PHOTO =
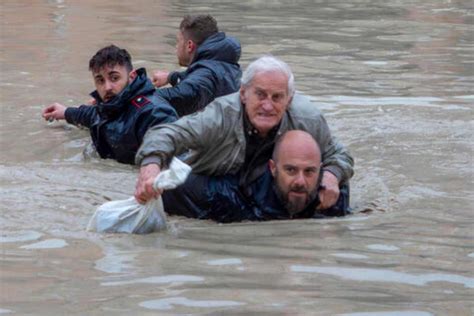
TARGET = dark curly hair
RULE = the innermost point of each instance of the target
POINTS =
(110, 56)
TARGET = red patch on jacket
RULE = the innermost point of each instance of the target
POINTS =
(140, 101)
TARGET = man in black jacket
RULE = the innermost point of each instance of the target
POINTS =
(125, 106)
(212, 60)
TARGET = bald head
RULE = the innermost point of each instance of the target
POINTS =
(299, 143)
(295, 167)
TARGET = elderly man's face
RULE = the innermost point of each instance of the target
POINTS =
(296, 174)
(266, 100)
(110, 81)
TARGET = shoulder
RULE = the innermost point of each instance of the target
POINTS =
(223, 110)
(302, 106)
(228, 103)
(151, 102)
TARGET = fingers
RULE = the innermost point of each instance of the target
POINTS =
(327, 198)
(144, 189)
(53, 111)
(145, 192)
(49, 114)
(159, 78)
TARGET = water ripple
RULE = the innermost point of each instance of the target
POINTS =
(384, 275)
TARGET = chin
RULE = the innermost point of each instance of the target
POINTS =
(264, 126)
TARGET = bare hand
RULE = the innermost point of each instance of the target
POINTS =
(160, 78)
(329, 193)
(54, 111)
(144, 189)
(92, 101)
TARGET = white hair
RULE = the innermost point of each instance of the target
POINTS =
(268, 63)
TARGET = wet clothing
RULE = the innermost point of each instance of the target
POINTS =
(220, 199)
(216, 137)
(117, 127)
(214, 72)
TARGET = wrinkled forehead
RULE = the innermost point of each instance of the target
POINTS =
(274, 79)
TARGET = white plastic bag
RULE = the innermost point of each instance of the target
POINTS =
(129, 216)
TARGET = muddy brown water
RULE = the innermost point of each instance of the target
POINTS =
(395, 81)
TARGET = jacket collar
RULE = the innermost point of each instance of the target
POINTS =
(219, 47)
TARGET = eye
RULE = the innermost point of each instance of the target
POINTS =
(260, 94)
(277, 97)
(310, 172)
(115, 78)
(290, 170)
(99, 81)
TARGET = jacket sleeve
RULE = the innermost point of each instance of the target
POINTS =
(175, 77)
(152, 116)
(196, 131)
(335, 157)
(192, 93)
(83, 115)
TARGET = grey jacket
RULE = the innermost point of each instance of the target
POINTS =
(217, 141)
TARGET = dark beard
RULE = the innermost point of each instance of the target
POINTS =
(291, 207)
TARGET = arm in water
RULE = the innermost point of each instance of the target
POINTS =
(83, 115)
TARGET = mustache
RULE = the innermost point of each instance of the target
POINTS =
(109, 96)
(298, 189)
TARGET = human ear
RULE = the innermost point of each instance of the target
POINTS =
(132, 75)
(191, 46)
(242, 95)
(272, 166)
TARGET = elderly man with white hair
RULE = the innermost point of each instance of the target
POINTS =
(235, 134)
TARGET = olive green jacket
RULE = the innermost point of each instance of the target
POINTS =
(216, 140)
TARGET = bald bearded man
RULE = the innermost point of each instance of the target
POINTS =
(288, 189)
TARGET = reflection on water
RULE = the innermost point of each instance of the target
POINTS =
(220, 262)
(395, 81)
(47, 244)
(396, 313)
(383, 247)
(167, 303)
(158, 280)
(381, 275)
(20, 236)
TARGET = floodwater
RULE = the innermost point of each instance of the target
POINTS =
(395, 80)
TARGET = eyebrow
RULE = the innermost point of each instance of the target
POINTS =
(312, 168)
(113, 72)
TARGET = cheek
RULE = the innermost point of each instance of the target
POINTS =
(280, 108)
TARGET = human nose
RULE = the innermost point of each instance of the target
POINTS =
(267, 104)
(299, 179)
(108, 85)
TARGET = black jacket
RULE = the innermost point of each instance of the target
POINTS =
(117, 127)
(222, 199)
(259, 201)
(214, 72)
